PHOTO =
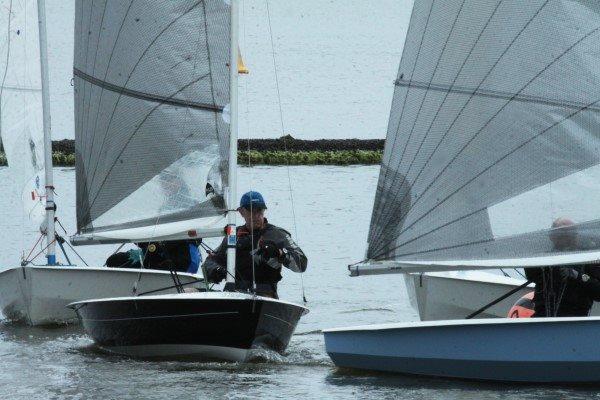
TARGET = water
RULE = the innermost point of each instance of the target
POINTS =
(332, 206)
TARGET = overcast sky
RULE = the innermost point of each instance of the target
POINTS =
(336, 62)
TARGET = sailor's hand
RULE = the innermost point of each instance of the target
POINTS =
(569, 274)
(268, 249)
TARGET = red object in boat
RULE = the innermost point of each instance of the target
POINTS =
(523, 308)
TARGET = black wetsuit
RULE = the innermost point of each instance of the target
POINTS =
(267, 272)
(556, 296)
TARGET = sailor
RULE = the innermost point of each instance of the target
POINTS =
(179, 255)
(567, 291)
(261, 250)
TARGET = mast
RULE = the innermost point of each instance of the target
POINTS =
(232, 189)
(50, 206)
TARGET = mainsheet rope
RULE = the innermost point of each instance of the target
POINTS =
(291, 190)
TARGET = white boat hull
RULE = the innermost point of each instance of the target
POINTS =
(454, 295)
(38, 295)
(557, 350)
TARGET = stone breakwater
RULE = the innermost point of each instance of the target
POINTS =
(283, 151)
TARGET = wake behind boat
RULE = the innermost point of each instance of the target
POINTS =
(220, 325)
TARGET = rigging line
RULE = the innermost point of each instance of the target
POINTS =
(488, 168)
(440, 106)
(142, 257)
(76, 253)
(33, 247)
(412, 130)
(393, 208)
(403, 108)
(112, 52)
(284, 141)
(465, 105)
(127, 143)
(94, 62)
(40, 252)
(133, 69)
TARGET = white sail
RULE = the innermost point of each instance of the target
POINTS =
(21, 120)
(152, 146)
(494, 134)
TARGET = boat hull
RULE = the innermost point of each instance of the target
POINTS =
(454, 295)
(38, 295)
(559, 350)
(216, 325)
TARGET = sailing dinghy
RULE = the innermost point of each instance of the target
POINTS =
(175, 100)
(38, 294)
(493, 136)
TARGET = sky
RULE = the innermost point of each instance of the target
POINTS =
(335, 61)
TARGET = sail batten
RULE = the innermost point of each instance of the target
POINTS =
(494, 100)
(123, 91)
(496, 94)
(151, 85)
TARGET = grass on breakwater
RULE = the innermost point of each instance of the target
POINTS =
(283, 151)
(278, 157)
(343, 157)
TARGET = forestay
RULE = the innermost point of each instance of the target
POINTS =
(494, 133)
(151, 82)
(21, 122)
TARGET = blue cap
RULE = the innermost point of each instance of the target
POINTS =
(252, 200)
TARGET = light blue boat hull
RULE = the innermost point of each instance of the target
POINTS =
(561, 350)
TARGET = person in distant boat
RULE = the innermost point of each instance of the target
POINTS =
(568, 291)
(180, 256)
(261, 250)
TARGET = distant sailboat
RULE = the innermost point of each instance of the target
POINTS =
(493, 134)
(169, 104)
(38, 295)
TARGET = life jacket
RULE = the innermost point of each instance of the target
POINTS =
(246, 242)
